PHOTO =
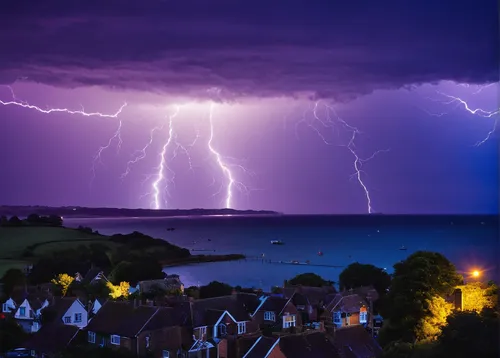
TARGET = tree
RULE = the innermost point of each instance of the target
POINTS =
(475, 297)
(134, 272)
(358, 275)
(192, 291)
(15, 221)
(470, 334)
(11, 334)
(11, 279)
(63, 281)
(118, 291)
(431, 325)
(215, 289)
(309, 279)
(416, 281)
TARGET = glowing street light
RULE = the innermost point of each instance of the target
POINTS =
(476, 273)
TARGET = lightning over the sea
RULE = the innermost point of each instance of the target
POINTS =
(97, 157)
(460, 102)
(163, 165)
(328, 118)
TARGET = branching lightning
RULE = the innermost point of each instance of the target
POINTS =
(97, 157)
(331, 120)
(459, 102)
(16, 102)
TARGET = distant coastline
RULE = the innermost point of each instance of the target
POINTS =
(83, 212)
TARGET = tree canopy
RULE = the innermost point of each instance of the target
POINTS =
(11, 279)
(358, 275)
(416, 282)
(309, 279)
(215, 289)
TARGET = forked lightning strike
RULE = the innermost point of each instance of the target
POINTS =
(163, 165)
(477, 111)
(16, 102)
(332, 124)
(97, 157)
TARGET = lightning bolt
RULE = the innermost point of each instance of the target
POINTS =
(160, 176)
(331, 120)
(16, 102)
(459, 102)
(140, 154)
(97, 157)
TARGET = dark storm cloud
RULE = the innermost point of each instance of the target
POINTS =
(264, 48)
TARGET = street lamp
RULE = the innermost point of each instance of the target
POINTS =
(476, 273)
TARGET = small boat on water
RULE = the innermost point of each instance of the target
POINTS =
(403, 248)
(320, 253)
(170, 228)
(277, 242)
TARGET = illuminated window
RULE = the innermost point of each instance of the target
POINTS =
(22, 311)
(289, 321)
(363, 317)
(337, 317)
(115, 340)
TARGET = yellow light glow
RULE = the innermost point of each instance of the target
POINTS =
(475, 273)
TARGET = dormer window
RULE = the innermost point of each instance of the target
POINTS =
(337, 318)
(289, 321)
(22, 311)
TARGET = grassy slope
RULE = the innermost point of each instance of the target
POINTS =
(13, 240)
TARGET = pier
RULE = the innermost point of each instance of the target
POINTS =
(297, 263)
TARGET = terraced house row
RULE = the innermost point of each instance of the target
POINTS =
(299, 322)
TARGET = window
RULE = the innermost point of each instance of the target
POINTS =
(148, 341)
(337, 318)
(165, 354)
(288, 321)
(67, 319)
(22, 311)
(115, 340)
(363, 317)
(201, 332)
(242, 327)
(269, 316)
(222, 329)
(5, 308)
(91, 337)
(78, 317)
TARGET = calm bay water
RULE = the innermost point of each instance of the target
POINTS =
(467, 246)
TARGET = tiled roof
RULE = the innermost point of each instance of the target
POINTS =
(121, 318)
(355, 341)
(261, 347)
(349, 303)
(60, 306)
(51, 338)
(274, 304)
(204, 310)
(312, 345)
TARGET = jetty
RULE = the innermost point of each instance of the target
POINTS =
(297, 263)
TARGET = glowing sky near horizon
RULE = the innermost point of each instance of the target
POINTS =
(247, 135)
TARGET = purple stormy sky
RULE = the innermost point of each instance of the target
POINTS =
(287, 87)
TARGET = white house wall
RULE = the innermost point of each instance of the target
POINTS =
(76, 307)
(27, 314)
(11, 305)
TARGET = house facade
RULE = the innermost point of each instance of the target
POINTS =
(279, 314)
(347, 310)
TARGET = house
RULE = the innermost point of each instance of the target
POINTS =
(167, 284)
(278, 313)
(308, 300)
(9, 306)
(95, 306)
(305, 345)
(28, 307)
(142, 330)
(218, 322)
(346, 310)
(51, 339)
(93, 276)
(68, 311)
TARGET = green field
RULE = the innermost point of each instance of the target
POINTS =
(14, 241)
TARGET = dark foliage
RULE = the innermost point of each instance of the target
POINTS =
(215, 289)
(136, 271)
(309, 279)
(11, 334)
(358, 275)
(11, 279)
